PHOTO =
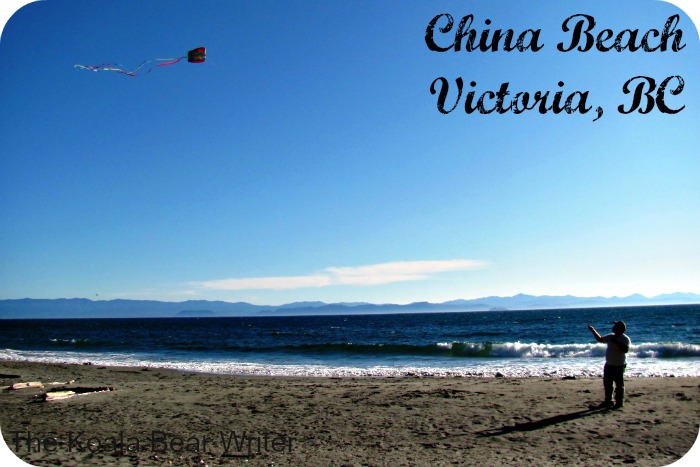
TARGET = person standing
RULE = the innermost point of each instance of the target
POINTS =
(615, 362)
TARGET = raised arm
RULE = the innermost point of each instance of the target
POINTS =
(595, 334)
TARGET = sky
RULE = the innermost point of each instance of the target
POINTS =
(306, 159)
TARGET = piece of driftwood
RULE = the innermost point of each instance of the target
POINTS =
(28, 385)
(58, 383)
(36, 384)
(65, 393)
(56, 395)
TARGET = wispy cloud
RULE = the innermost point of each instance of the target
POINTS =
(276, 283)
(373, 274)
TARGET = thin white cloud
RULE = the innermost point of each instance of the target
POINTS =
(374, 274)
(275, 283)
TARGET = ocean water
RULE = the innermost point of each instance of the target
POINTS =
(665, 342)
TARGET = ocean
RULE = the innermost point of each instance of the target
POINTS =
(544, 343)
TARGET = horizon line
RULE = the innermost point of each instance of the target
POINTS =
(358, 303)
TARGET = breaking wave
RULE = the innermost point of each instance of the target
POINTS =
(440, 349)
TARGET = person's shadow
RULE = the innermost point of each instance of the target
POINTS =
(545, 422)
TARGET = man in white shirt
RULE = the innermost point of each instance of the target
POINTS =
(615, 362)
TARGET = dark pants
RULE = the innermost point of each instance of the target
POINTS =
(614, 374)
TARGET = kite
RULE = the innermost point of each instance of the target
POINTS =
(197, 55)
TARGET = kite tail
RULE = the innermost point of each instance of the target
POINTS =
(135, 72)
(172, 61)
(106, 67)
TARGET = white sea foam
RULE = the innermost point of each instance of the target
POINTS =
(588, 350)
(539, 364)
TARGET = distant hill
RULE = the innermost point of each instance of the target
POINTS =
(85, 308)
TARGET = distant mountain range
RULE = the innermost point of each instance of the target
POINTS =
(85, 308)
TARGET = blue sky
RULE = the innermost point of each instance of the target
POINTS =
(307, 160)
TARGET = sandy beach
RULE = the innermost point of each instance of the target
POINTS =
(165, 417)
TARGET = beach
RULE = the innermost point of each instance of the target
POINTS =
(165, 417)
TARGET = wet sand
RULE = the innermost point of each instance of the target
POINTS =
(164, 417)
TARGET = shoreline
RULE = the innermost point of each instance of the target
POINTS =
(532, 367)
(170, 417)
